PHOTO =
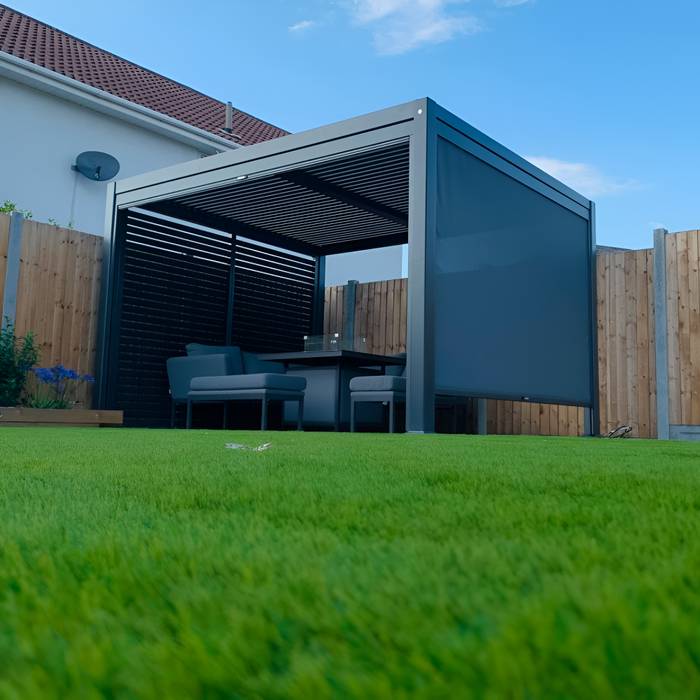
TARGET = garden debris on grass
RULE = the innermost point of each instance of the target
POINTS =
(619, 432)
(260, 448)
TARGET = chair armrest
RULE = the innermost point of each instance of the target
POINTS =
(181, 371)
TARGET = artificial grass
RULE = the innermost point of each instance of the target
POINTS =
(158, 564)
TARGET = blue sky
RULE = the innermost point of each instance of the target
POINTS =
(604, 94)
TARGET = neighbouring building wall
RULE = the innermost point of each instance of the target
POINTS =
(40, 137)
(365, 266)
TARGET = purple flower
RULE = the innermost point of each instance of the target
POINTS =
(59, 376)
(44, 375)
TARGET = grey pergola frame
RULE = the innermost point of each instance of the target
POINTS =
(421, 122)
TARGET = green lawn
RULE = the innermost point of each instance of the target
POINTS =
(158, 564)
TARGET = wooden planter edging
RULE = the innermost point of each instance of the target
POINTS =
(56, 417)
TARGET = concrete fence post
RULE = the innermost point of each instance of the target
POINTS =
(661, 334)
(350, 295)
(481, 416)
(14, 245)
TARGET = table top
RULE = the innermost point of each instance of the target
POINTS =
(318, 358)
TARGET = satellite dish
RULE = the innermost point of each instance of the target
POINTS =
(96, 166)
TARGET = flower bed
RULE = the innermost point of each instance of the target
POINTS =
(63, 417)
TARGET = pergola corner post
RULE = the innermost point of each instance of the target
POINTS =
(105, 337)
(420, 340)
(592, 415)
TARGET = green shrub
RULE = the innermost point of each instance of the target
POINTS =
(8, 207)
(17, 355)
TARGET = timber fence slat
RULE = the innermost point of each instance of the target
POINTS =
(651, 326)
(603, 268)
(642, 345)
(684, 328)
(631, 338)
(674, 379)
(694, 306)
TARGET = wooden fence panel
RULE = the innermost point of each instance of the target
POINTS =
(683, 326)
(694, 306)
(626, 361)
(58, 294)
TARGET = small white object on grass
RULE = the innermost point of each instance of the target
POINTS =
(236, 446)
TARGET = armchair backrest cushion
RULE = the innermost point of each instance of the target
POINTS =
(252, 365)
(181, 371)
(397, 370)
(197, 349)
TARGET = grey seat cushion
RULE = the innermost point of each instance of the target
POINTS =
(196, 349)
(236, 382)
(252, 365)
(382, 383)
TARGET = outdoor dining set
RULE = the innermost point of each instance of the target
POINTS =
(333, 387)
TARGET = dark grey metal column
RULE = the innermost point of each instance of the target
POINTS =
(319, 296)
(661, 335)
(350, 296)
(110, 311)
(106, 289)
(14, 246)
(592, 415)
(422, 188)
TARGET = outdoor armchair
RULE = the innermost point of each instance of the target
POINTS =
(182, 370)
(390, 389)
(221, 374)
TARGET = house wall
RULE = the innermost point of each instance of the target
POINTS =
(366, 266)
(40, 137)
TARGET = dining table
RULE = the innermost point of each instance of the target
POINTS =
(340, 360)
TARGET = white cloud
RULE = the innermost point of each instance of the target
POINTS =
(403, 25)
(306, 24)
(583, 178)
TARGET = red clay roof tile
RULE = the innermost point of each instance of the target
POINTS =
(46, 46)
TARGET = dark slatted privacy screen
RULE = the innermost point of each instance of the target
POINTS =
(273, 300)
(175, 292)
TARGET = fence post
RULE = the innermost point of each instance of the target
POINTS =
(481, 416)
(661, 334)
(350, 293)
(9, 303)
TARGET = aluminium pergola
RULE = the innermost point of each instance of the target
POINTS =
(231, 249)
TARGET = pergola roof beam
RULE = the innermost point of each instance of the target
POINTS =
(315, 184)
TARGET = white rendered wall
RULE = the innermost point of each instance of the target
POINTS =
(40, 137)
